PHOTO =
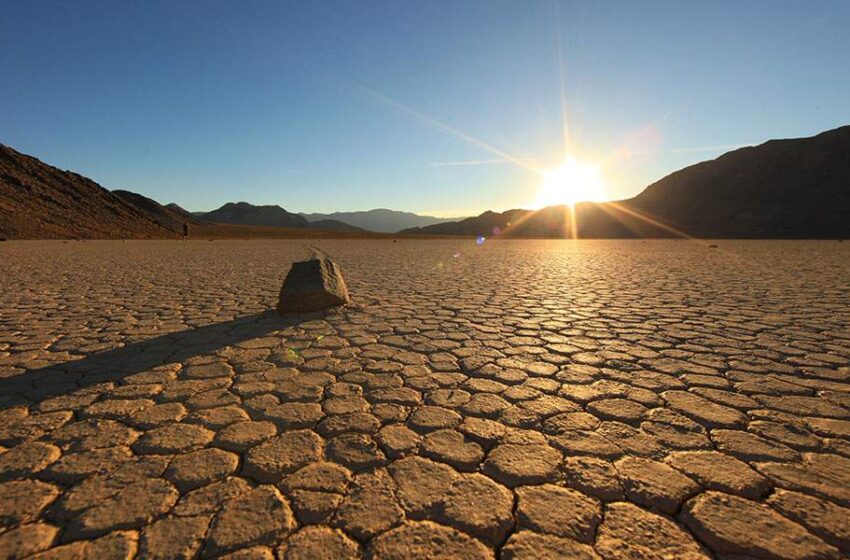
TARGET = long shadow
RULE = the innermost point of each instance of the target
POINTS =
(40, 384)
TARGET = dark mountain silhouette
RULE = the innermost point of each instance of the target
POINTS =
(798, 188)
(249, 214)
(380, 219)
(40, 201)
(244, 213)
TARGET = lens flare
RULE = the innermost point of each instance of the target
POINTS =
(570, 183)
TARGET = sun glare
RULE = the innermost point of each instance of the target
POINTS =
(570, 183)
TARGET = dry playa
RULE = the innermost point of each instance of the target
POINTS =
(514, 399)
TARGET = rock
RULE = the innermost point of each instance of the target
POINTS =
(312, 285)
(559, 511)
(424, 539)
(733, 525)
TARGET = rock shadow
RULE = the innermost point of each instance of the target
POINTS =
(37, 385)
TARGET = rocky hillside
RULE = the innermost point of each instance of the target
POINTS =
(38, 200)
(797, 188)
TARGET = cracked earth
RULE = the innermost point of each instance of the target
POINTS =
(518, 399)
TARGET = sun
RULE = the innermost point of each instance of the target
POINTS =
(570, 183)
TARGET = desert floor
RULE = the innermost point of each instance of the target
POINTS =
(517, 399)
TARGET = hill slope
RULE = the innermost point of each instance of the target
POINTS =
(797, 188)
(40, 201)
(380, 219)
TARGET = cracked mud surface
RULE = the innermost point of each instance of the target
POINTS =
(520, 399)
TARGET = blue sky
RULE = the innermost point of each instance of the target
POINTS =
(321, 106)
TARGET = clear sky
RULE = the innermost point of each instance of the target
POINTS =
(321, 106)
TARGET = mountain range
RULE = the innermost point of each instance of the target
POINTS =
(795, 188)
(380, 219)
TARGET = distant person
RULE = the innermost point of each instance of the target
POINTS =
(185, 231)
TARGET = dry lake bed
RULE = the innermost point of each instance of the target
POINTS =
(513, 399)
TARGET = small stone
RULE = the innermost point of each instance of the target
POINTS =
(424, 539)
(559, 511)
(733, 525)
(525, 545)
(628, 532)
(260, 516)
(478, 506)
(655, 485)
(281, 455)
(515, 465)
(199, 468)
(312, 286)
(319, 543)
